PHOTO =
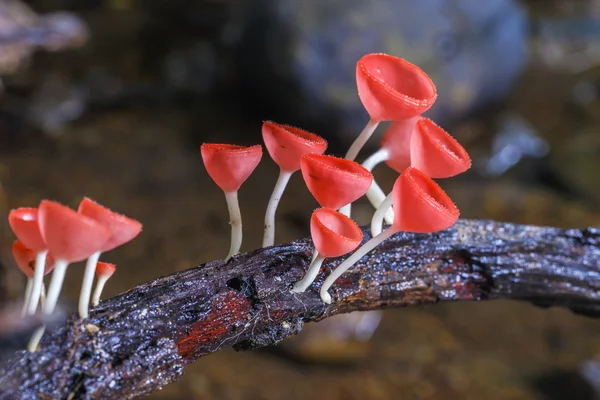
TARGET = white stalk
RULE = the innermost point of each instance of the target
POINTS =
(58, 277)
(88, 282)
(235, 220)
(38, 281)
(43, 296)
(282, 181)
(311, 274)
(375, 194)
(360, 141)
(377, 221)
(100, 282)
(27, 295)
(350, 261)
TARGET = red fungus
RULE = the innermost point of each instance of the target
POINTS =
(123, 229)
(71, 237)
(434, 152)
(286, 145)
(334, 182)
(103, 273)
(229, 166)
(24, 223)
(420, 206)
(333, 235)
(25, 260)
(390, 89)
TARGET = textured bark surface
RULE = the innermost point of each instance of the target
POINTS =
(139, 341)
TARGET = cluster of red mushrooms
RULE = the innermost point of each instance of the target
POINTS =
(391, 89)
(52, 236)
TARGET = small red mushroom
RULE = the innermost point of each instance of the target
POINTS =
(25, 260)
(286, 145)
(391, 89)
(420, 206)
(123, 229)
(24, 223)
(334, 182)
(229, 166)
(103, 273)
(333, 235)
(71, 237)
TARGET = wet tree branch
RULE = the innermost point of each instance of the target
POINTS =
(139, 341)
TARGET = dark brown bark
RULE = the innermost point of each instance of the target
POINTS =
(139, 341)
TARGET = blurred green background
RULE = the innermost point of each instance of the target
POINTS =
(120, 119)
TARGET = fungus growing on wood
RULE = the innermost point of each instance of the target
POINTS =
(24, 223)
(229, 166)
(71, 237)
(103, 273)
(25, 260)
(333, 235)
(420, 205)
(123, 229)
(286, 145)
(334, 182)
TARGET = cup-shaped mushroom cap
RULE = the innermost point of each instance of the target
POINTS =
(25, 259)
(70, 236)
(230, 165)
(333, 233)
(420, 204)
(436, 153)
(287, 144)
(24, 223)
(334, 182)
(124, 229)
(104, 269)
(396, 140)
(393, 89)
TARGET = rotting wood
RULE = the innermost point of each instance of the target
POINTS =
(138, 342)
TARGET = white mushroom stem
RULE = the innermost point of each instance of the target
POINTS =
(38, 281)
(360, 141)
(350, 261)
(235, 220)
(88, 282)
(27, 295)
(58, 277)
(377, 221)
(311, 274)
(282, 181)
(100, 282)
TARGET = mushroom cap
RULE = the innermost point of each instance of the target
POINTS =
(25, 259)
(420, 204)
(396, 140)
(333, 233)
(230, 165)
(435, 152)
(334, 182)
(105, 269)
(287, 144)
(392, 89)
(70, 236)
(24, 223)
(124, 229)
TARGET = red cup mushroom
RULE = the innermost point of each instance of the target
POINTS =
(334, 182)
(103, 273)
(71, 237)
(229, 166)
(25, 260)
(420, 205)
(286, 145)
(24, 223)
(333, 235)
(390, 89)
(123, 229)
